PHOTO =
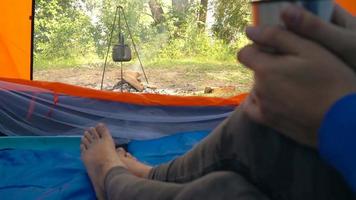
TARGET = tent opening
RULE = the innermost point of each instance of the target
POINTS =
(182, 49)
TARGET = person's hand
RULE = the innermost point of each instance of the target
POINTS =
(296, 87)
(339, 37)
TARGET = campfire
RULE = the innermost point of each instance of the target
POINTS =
(131, 82)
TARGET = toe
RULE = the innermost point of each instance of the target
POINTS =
(82, 148)
(93, 133)
(130, 156)
(88, 136)
(102, 130)
(85, 142)
(121, 152)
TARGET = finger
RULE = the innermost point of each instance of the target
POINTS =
(336, 39)
(254, 58)
(281, 40)
(344, 19)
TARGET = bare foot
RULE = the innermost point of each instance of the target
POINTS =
(99, 156)
(133, 165)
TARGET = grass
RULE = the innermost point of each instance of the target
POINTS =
(168, 73)
(84, 61)
(194, 63)
(227, 71)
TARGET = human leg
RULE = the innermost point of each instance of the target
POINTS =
(280, 167)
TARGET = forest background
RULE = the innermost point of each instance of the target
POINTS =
(196, 39)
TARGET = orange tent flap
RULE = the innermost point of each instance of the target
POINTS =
(140, 99)
(349, 5)
(15, 38)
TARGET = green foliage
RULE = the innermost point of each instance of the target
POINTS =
(134, 11)
(63, 30)
(231, 19)
(184, 39)
(76, 32)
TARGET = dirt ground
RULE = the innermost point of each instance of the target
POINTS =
(173, 81)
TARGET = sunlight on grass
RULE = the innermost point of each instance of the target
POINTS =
(200, 63)
(80, 62)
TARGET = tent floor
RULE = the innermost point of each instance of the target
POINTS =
(66, 143)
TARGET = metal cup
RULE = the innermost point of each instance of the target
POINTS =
(267, 12)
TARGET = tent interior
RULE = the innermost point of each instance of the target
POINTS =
(43, 121)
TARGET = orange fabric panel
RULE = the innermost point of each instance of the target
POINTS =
(349, 5)
(15, 38)
(140, 99)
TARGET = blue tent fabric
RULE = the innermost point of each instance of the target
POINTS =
(60, 174)
(24, 113)
(34, 174)
(153, 133)
(157, 151)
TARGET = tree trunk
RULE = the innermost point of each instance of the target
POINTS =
(180, 6)
(157, 11)
(203, 13)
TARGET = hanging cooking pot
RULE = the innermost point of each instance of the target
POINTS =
(121, 51)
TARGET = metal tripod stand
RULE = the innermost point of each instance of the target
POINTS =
(121, 13)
